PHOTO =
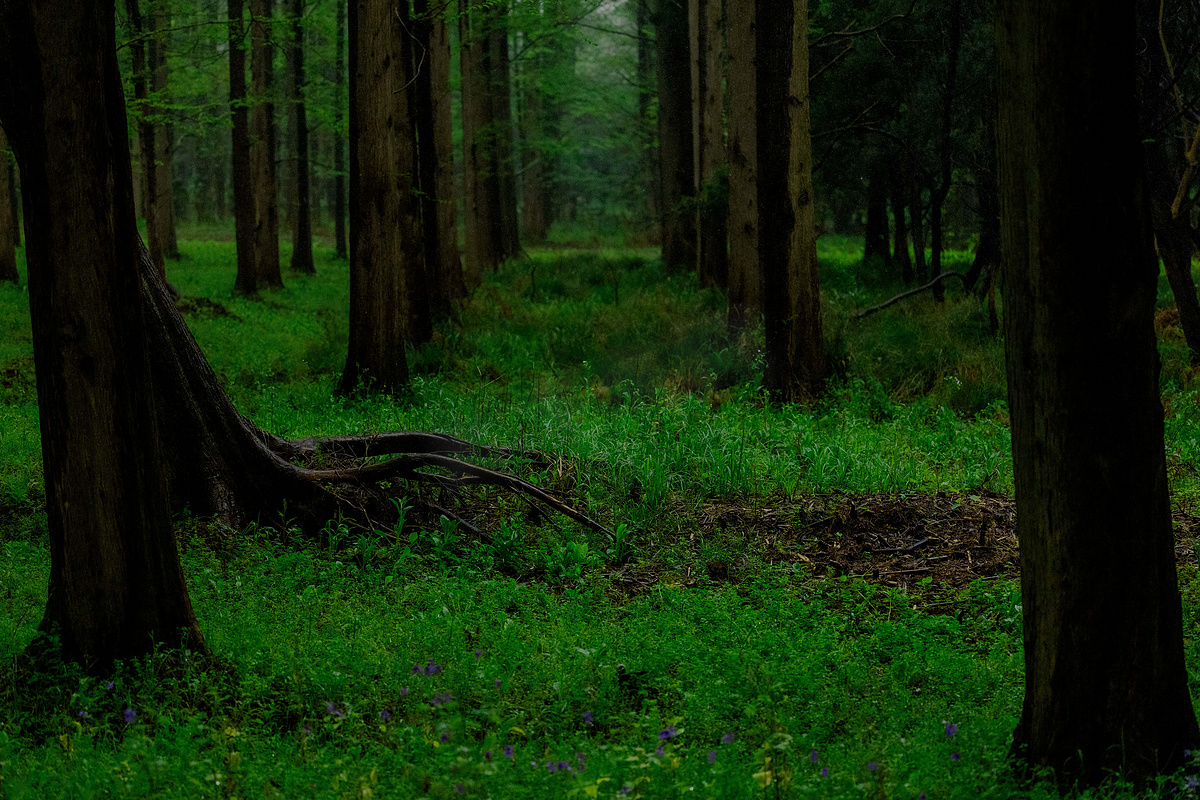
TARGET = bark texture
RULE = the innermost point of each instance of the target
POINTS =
(745, 279)
(795, 345)
(246, 282)
(1105, 680)
(481, 184)
(711, 162)
(302, 256)
(147, 135)
(339, 141)
(675, 147)
(263, 147)
(8, 223)
(116, 587)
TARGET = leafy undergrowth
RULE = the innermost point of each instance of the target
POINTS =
(801, 602)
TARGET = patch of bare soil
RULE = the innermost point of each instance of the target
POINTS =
(894, 540)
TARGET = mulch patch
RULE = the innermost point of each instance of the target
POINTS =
(895, 540)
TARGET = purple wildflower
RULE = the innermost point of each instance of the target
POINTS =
(334, 711)
(660, 752)
(445, 737)
(951, 729)
(497, 683)
(668, 733)
(814, 756)
(432, 668)
(563, 766)
(478, 653)
(416, 670)
(1193, 782)
(712, 756)
(109, 686)
(487, 755)
(385, 715)
(551, 767)
(921, 796)
(728, 738)
(442, 699)
(955, 756)
(871, 765)
(533, 764)
(404, 691)
(825, 772)
(84, 715)
(130, 716)
(508, 751)
(307, 729)
(587, 718)
(624, 790)
(582, 760)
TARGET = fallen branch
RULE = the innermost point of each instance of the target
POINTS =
(868, 311)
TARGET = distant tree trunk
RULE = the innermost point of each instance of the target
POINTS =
(339, 143)
(1106, 686)
(795, 343)
(535, 222)
(900, 254)
(916, 218)
(302, 256)
(481, 188)
(433, 118)
(745, 278)
(375, 360)
(500, 91)
(246, 282)
(116, 587)
(647, 90)
(875, 242)
(262, 147)
(712, 163)
(164, 144)
(8, 225)
(938, 194)
(675, 137)
(146, 135)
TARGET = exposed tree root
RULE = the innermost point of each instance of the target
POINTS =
(221, 464)
(866, 312)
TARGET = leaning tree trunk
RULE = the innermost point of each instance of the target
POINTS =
(8, 224)
(1106, 686)
(795, 345)
(745, 279)
(246, 282)
(116, 587)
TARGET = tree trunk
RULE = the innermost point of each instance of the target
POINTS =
(938, 194)
(481, 188)
(916, 217)
(375, 360)
(433, 119)
(146, 134)
(164, 143)
(875, 242)
(8, 225)
(14, 190)
(745, 279)
(987, 251)
(500, 91)
(675, 137)
(713, 189)
(795, 345)
(116, 586)
(535, 223)
(900, 253)
(1106, 687)
(262, 147)
(647, 91)
(414, 292)
(246, 282)
(339, 143)
(302, 256)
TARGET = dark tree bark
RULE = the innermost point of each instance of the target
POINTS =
(116, 586)
(500, 92)
(795, 344)
(263, 147)
(146, 133)
(939, 193)
(1106, 687)
(713, 176)
(535, 199)
(8, 224)
(675, 147)
(164, 143)
(439, 215)
(339, 143)
(302, 256)
(14, 193)
(376, 361)
(916, 218)
(647, 91)
(481, 186)
(414, 291)
(875, 241)
(897, 194)
(246, 282)
(745, 279)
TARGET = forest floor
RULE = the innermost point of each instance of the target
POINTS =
(816, 601)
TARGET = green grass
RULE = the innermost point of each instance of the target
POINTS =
(629, 375)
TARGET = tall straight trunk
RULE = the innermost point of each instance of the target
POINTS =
(433, 118)
(938, 194)
(8, 224)
(302, 256)
(713, 183)
(500, 90)
(246, 282)
(146, 135)
(164, 143)
(116, 588)
(916, 217)
(262, 147)
(896, 193)
(481, 188)
(745, 277)
(339, 143)
(647, 90)
(675, 136)
(535, 222)
(875, 241)
(375, 360)
(1106, 686)
(795, 345)
(414, 290)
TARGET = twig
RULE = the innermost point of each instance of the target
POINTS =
(868, 311)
